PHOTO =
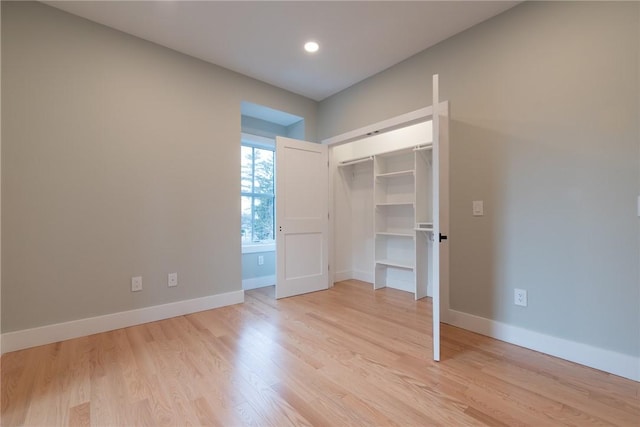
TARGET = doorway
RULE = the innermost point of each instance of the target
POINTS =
(260, 125)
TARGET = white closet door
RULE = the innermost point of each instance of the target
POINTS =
(438, 236)
(302, 224)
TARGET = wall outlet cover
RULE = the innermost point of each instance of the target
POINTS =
(136, 284)
(520, 297)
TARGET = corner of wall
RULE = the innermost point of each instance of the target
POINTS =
(297, 130)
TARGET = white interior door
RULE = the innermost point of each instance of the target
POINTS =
(302, 217)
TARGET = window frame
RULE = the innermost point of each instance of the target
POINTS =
(264, 143)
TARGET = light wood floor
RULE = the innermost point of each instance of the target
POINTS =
(347, 356)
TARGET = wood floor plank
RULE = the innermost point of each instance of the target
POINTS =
(80, 415)
(346, 356)
(17, 384)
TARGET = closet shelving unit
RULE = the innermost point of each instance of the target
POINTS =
(401, 187)
(401, 181)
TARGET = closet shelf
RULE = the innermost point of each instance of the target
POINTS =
(406, 233)
(395, 204)
(396, 152)
(392, 263)
(396, 174)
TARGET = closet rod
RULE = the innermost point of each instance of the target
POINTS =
(354, 161)
(423, 147)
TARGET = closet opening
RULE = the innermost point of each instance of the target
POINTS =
(383, 206)
(390, 206)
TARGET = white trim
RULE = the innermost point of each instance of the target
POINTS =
(18, 340)
(403, 285)
(258, 282)
(605, 360)
(339, 276)
(402, 120)
(365, 276)
(257, 141)
(255, 248)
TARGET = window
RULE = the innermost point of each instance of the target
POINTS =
(257, 190)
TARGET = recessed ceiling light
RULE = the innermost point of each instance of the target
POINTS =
(311, 47)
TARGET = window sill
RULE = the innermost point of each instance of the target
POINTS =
(261, 247)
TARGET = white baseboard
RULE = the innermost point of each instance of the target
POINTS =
(365, 276)
(368, 277)
(353, 274)
(402, 285)
(339, 276)
(258, 282)
(605, 360)
(18, 340)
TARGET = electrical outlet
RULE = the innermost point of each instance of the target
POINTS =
(520, 297)
(136, 284)
(172, 280)
(260, 259)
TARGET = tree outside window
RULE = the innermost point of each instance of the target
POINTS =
(258, 194)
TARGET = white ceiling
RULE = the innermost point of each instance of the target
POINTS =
(264, 39)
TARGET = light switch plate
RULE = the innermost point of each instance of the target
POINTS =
(478, 208)
(172, 280)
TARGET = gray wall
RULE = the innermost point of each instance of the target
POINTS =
(296, 130)
(544, 106)
(120, 158)
(251, 269)
(262, 127)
